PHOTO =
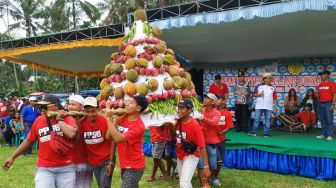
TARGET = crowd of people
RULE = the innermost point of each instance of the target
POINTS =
(73, 150)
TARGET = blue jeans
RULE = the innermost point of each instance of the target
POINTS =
(221, 153)
(212, 157)
(27, 126)
(99, 173)
(326, 118)
(257, 120)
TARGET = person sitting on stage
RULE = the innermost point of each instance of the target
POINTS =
(127, 131)
(292, 101)
(310, 98)
(219, 88)
(307, 116)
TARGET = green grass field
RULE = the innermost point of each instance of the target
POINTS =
(21, 175)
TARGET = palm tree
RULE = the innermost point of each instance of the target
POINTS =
(25, 13)
(55, 17)
(76, 9)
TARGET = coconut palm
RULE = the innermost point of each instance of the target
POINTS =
(77, 8)
(25, 14)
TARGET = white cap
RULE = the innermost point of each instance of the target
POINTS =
(90, 101)
(76, 98)
(267, 75)
(32, 98)
(211, 96)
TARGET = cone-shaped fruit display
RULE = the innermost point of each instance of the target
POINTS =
(145, 65)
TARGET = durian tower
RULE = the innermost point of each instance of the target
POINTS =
(144, 65)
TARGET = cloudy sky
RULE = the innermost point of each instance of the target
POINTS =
(21, 33)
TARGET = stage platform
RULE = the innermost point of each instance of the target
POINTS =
(283, 142)
(284, 153)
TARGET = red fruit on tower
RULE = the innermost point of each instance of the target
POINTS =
(121, 103)
(137, 69)
(155, 72)
(154, 97)
(123, 75)
(171, 93)
(149, 99)
(148, 72)
(117, 78)
(193, 93)
(165, 95)
(142, 71)
(102, 104)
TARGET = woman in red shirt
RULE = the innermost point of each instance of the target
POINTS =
(128, 131)
(53, 169)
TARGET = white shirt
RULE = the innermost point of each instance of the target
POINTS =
(265, 102)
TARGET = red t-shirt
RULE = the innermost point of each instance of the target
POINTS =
(98, 148)
(3, 111)
(191, 132)
(305, 118)
(158, 134)
(79, 154)
(224, 123)
(209, 125)
(131, 154)
(40, 131)
(221, 89)
(326, 91)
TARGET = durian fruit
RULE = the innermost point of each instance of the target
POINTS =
(157, 32)
(178, 64)
(130, 88)
(142, 62)
(185, 83)
(114, 55)
(160, 47)
(107, 70)
(191, 85)
(142, 89)
(177, 82)
(170, 51)
(157, 61)
(132, 75)
(116, 68)
(130, 51)
(174, 71)
(130, 63)
(98, 97)
(103, 83)
(187, 75)
(153, 84)
(118, 93)
(168, 59)
(108, 90)
(177, 98)
(168, 84)
(140, 14)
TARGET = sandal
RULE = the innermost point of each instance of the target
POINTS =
(151, 179)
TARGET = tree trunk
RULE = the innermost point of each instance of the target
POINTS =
(16, 79)
(74, 13)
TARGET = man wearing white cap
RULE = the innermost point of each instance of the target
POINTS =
(28, 115)
(79, 156)
(265, 95)
(100, 150)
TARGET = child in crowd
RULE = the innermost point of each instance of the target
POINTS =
(307, 116)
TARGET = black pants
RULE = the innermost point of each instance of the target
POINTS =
(242, 116)
(8, 135)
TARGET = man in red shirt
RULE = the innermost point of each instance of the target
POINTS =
(53, 169)
(158, 136)
(219, 88)
(326, 93)
(188, 130)
(209, 124)
(127, 131)
(79, 155)
(100, 149)
(225, 123)
(3, 109)
(307, 116)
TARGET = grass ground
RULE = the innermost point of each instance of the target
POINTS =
(21, 175)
